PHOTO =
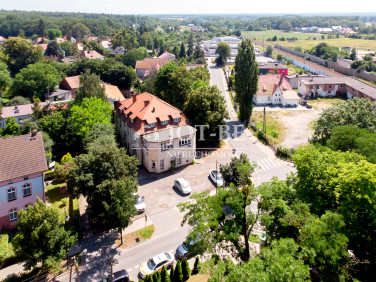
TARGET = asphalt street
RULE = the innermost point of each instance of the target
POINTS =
(268, 165)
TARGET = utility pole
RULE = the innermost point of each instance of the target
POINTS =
(111, 271)
(216, 177)
(264, 123)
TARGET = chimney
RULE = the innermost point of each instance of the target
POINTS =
(153, 110)
(134, 99)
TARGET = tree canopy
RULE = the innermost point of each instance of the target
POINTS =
(41, 236)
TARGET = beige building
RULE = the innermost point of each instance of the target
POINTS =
(348, 87)
(158, 134)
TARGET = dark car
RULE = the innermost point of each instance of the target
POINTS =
(120, 276)
(186, 249)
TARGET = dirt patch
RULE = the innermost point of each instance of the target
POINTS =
(297, 127)
(199, 278)
(136, 237)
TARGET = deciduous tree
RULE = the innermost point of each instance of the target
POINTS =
(41, 236)
(91, 111)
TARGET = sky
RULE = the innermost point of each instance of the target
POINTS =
(147, 7)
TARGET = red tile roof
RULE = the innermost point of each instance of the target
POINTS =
(71, 82)
(21, 156)
(145, 109)
(91, 54)
(269, 82)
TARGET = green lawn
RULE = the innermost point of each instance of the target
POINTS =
(274, 128)
(306, 40)
(265, 34)
(58, 198)
(339, 42)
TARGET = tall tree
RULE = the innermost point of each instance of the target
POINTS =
(223, 51)
(41, 28)
(222, 221)
(35, 80)
(163, 76)
(5, 79)
(246, 79)
(91, 111)
(212, 112)
(107, 176)
(54, 49)
(182, 53)
(53, 33)
(190, 45)
(90, 86)
(20, 53)
(41, 236)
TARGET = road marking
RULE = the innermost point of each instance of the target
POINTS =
(129, 269)
(266, 164)
(137, 266)
(171, 251)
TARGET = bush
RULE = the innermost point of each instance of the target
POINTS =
(185, 269)
(283, 153)
(49, 175)
(178, 273)
(197, 266)
(261, 136)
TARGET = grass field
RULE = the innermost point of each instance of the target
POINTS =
(264, 35)
(274, 128)
(306, 40)
(58, 198)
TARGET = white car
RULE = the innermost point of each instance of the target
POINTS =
(140, 203)
(183, 186)
(216, 177)
(156, 264)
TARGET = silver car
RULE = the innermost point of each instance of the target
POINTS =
(183, 186)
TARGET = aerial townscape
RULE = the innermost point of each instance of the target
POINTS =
(192, 141)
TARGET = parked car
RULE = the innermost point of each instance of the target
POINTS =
(156, 264)
(309, 106)
(120, 276)
(185, 249)
(140, 203)
(183, 186)
(216, 177)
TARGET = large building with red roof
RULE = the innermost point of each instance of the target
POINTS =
(275, 90)
(158, 134)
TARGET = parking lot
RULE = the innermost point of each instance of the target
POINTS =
(158, 188)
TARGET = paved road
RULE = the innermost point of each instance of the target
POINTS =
(98, 250)
(268, 164)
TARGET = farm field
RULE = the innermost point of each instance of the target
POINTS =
(265, 34)
(306, 40)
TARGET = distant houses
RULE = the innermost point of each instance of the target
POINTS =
(120, 50)
(91, 54)
(23, 162)
(149, 65)
(265, 68)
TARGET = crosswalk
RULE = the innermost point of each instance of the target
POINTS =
(266, 164)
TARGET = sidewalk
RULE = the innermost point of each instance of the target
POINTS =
(138, 224)
(10, 270)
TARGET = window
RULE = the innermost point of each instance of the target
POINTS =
(311, 87)
(185, 141)
(179, 159)
(26, 177)
(12, 194)
(166, 146)
(13, 214)
(161, 164)
(330, 86)
(10, 181)
(164, 122)
(26, 189)
(177, 120)
(132, 120)
(151, 125)
(152, 164)
(26, 206)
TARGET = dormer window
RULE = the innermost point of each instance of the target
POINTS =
(164, 122)
(10, 181)
(177, 120)
(151, 125)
